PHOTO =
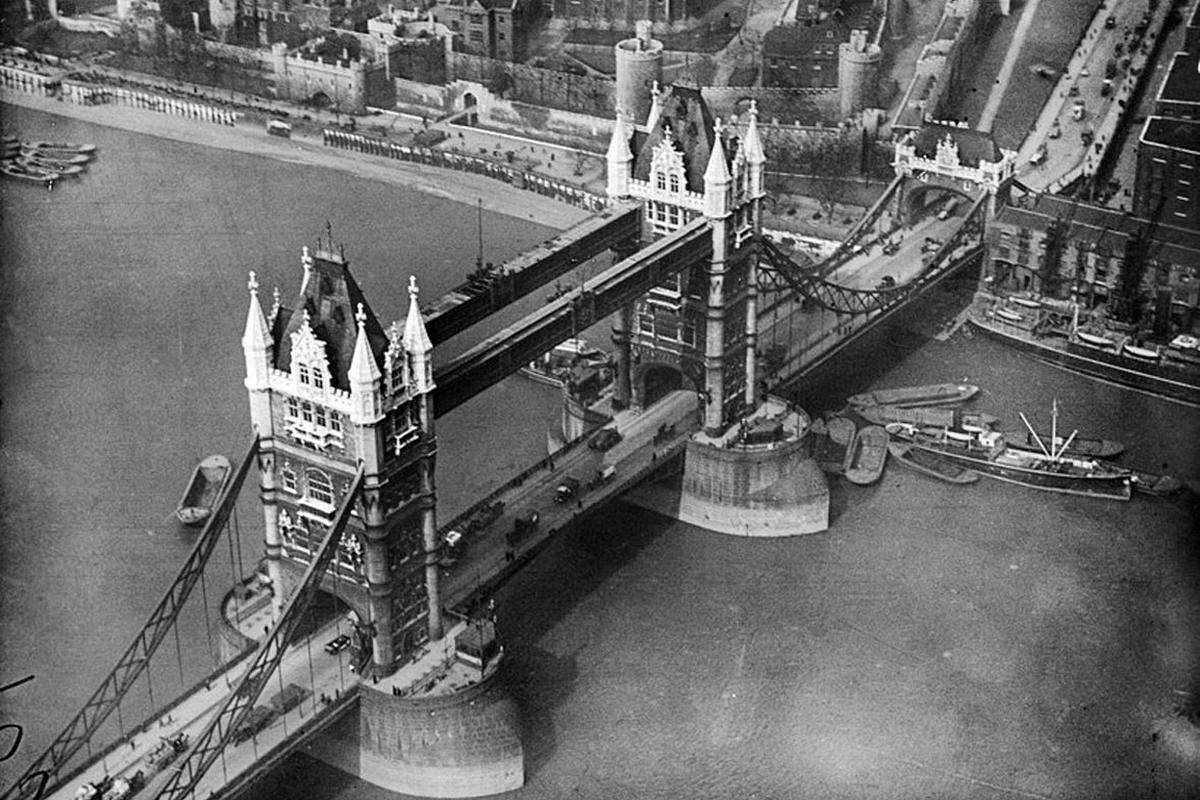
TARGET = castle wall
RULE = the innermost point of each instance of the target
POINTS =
(534, 85)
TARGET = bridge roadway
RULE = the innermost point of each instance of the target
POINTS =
(483, 567)
(812, 334)
(485, 560)
(484, 294)
(193, 711)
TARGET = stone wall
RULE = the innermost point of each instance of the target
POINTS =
(765, 490)
(534, 85)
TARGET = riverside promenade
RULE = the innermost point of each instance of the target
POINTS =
(250, 137)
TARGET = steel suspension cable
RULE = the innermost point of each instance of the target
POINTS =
(237, 532)
(237, 608)
(208, 625)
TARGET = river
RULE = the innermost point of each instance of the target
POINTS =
(978, 642)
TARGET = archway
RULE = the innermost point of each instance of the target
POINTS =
(934, 199)
(469, 101)
(654, 381)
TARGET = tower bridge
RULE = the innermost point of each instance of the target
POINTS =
(346, 447)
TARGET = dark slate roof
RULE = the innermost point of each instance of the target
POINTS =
(973, 146)
(691, 123)
(801, 38)
(331, 298)
(1183, 81)
(1178, 134)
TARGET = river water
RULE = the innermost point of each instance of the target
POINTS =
(982, 641)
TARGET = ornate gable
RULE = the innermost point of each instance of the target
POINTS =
(309, 363)
(666, 165)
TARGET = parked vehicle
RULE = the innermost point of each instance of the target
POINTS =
(606, 439)
(525, 524)
(258, 719)
(566, 489)
(279, 128)
(335, 646)
(291, 696)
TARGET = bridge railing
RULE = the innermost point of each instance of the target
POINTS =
(463, 162)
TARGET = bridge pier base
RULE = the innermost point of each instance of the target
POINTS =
(461, 743)
(757, 480)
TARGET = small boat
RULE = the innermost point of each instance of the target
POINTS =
(866, 457)
(940, 417)
(938, 394)
(841, 430)
(1086, 446)
(13, 170)
(1008, 316)
(56, 155)
(926, 462)
(1026, 302)
(36, 164)
(208, 480)
(63, 146)
(1094, 340)
(1153, 484)
(1141, 352)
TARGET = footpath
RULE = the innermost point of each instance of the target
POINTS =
(247, 136)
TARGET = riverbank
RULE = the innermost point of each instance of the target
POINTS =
(248, 138)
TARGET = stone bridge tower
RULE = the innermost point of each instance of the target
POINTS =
(330, 389)
(698, 329)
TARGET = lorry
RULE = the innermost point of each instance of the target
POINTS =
(258, 718)
(277, 127)
(289, 698)
(525, 523)
(567, 488)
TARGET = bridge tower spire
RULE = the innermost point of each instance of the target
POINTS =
(420, 349)
(259, 351)
(755, 165)
(619, 158)
(717, 181)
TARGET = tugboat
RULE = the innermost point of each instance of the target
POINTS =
(208, 480)
(987, 453)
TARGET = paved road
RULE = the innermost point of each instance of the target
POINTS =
(990, 109)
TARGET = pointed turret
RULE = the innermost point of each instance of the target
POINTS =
(306, 260)
(256, 342)
(366, 406)
(417, 343)
(656, 105)
(717, 178)
(620, 159)
(755, 157)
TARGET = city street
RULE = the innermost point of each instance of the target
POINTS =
(1081, 116)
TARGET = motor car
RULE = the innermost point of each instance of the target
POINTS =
(335, 646)
(1111, 22)
(605, 439)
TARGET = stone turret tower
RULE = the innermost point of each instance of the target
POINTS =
(329, 391)
(700, 324)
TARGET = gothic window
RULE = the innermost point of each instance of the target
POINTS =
(396, 376)
(305, 374)
(293, 408)
(674, 183)
(306, 412)
(288, 478)
(335, 421)
(317, 486)
(660, 180)
(318, 380)
(321, 417)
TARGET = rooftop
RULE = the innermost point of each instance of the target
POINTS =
(329, 298)
(686, 114)
(1177, 134)
(973, 146)
(1183, 80)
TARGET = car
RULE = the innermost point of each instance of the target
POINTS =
(1111, 22)
(1085, 73)
(337, 645)
(887, 282)
(1055, 131)
(605, 439)
(1038, 156)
